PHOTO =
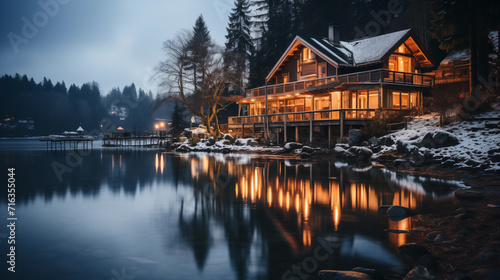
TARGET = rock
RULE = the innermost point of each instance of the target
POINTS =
(362, 154)
(375, 275)
(229, 138)
(486, 274)
(373, 141)
(398, 213)
(438, 139)
(183, 149)
(356, 137)
(399, 162)
(487, 257)
(468, 195)
(460, 276)
(253, 143)
(440, 238)
(210, 141)
(240, 142)
(226, 142)
(413, 250)
(304, 155)
(461, 211)
(431, 236)
(365, 144)
(423, 270)
(307, 149)
(385, 141)
(342, 275)
(290, 146)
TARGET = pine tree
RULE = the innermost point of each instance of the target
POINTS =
(239, 43)
(199, 46)
(460, 24)
(178, 122)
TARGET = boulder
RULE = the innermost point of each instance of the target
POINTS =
(183, 149)
(253, 143)
(342, 275)
(468, 195)
(487, 257)
(290, 146)
(362, 154)
(304, 155)
(424, 270)
(486, 274)
(385, 141)
(412, 250)
(210, 141)
(460, 276)
(307, 149)
(440, 238)
(398, 213)
(375, 275)
(373, 141)
(432, 235)
(228, 137)
(438, 139)
(356, 137)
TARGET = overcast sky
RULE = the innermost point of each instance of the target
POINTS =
(111, 42)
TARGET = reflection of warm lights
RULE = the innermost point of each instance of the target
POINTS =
(206, 164)
(162, 164)
(306, 237)
(287, 201)
(306, 210)
(336, 216)
(297, 203)
(156, 163)
(399, 239)
(280, 198)
(236, 189)
(269, 197)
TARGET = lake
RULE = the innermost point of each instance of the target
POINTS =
(147, 214)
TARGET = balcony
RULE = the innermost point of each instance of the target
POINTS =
(373, 76)
(322, 115)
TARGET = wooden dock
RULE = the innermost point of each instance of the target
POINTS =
(59, 143)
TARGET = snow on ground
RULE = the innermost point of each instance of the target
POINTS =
(240, 144)
(477, 138)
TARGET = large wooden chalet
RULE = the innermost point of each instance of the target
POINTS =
(323, 82)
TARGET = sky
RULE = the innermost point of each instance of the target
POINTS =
(112, 42)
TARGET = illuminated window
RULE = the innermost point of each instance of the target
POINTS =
(399, 63)
(396, 100)
(405, 100)
(373, 99)
(307, 54)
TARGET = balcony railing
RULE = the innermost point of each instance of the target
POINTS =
(336, 114)
(373, 76)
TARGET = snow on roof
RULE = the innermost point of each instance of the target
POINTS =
(374, 48)
(456, 56)
(80, 129)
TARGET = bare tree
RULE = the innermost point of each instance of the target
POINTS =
(203, 98)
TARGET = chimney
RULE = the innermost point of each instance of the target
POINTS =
(333, 33)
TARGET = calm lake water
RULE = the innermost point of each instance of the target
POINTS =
(146, 214)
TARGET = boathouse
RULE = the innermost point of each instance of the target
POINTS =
(320, 84)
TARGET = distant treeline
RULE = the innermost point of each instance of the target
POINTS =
(55, 108)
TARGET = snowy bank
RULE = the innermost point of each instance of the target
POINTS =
(469, 145)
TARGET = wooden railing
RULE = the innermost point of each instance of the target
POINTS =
(310, 115)
(372, 76)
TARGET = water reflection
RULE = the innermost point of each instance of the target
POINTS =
(211, 216)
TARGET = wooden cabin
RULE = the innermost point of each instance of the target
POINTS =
(323, 82)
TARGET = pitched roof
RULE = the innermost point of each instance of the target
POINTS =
(357, 52)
